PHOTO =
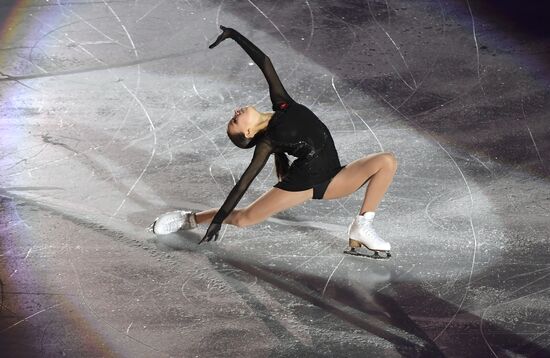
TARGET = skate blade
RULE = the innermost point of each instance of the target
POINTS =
(151, 228)
(375, 255)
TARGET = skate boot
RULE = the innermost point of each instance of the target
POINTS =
(173, 221)
(362, 233)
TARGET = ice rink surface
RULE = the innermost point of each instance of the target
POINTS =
(113, 112)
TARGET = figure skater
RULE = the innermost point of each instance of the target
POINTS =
(316, 173)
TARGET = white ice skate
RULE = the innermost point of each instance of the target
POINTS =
(361, 233)
(173, 221)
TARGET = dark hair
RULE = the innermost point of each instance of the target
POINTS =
(281, 160)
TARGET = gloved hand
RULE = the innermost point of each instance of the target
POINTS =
(211, 233)
(227, 32)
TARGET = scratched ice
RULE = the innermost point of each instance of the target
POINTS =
(114, 112)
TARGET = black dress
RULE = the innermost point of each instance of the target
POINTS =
(293, 129)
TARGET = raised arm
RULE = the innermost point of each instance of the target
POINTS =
(280, 99)
(261, 154)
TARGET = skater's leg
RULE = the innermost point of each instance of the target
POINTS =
(205, 217)
(377, 168)
(270, 203)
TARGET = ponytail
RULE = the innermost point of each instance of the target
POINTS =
(281, 164)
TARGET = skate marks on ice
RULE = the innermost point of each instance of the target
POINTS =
(448, 292)
(348, 301)
(362, 299)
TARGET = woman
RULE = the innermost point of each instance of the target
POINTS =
(316, 173)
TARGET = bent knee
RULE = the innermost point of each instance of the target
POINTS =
(390, 159)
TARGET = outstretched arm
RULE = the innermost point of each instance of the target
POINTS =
(280, 99)
(261, 154)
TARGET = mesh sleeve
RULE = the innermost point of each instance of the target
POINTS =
(261, 154)
(280, 99)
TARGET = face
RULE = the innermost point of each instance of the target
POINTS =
(242, 120)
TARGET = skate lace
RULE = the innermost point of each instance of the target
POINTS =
(174, 224)
(369, 229)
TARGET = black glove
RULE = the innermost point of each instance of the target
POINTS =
(227, 32)
(212, 232)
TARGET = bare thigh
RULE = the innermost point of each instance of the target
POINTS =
(270, 203)
(355, 175)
